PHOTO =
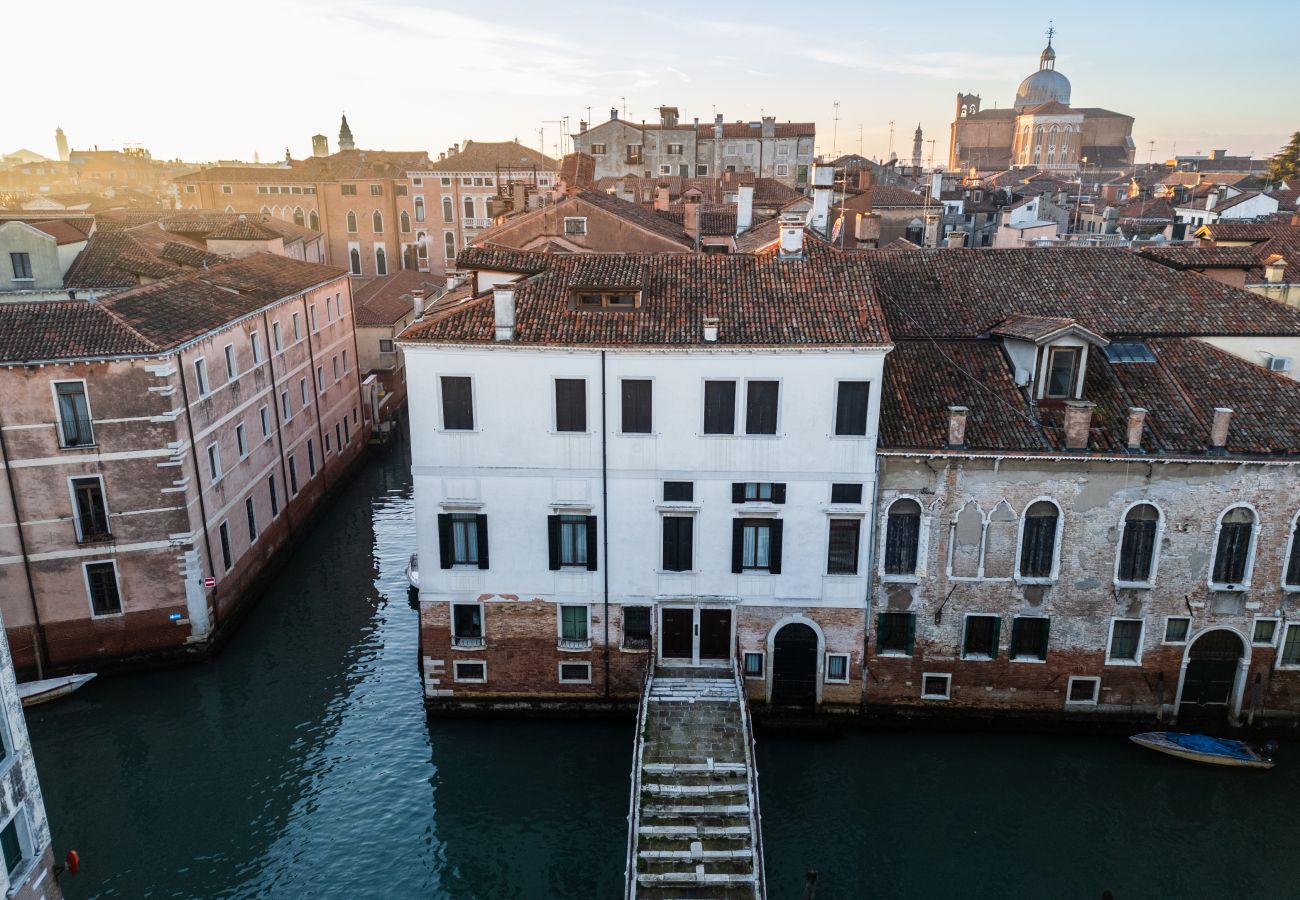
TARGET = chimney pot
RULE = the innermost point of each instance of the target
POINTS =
(956, 240)
(744, 208)
(503, 303)
(691, 221)
(957, 426)
(417, 302)
(1078, 419)
(1137, 419)
(710, 330)
(1219, 429)
(791, 236)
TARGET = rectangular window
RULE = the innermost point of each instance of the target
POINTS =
(457, 403)
(1265, 632)
(467, 625)
(461, 538)
(846, 493)
(74, 414)
(936, 686)
(636, 628)
(277, 337)
(293, 475)
(756, 545)
(227, 558)
(575, 673)
(1125, 640)
(1062, 371)
(327, 443)
(214, 462)
(297, 328)
(757, 492)
(264, 416)
(338, 438)
(311, 313)
(285, 410)
(22, 266)
(761, 406)
(571, 404)
(302, 391)
(575, 225)
(895, 632)
(851, 400)
(472, 672)
(597, 149)
(385, 345)
(376, 190)
(92, 511)
(232, 369)
(573, 626)
(101, 582)
(345, 360)
(754, 665)
(1137, 549)
(275, 498)
(701, 171)
(1291, 646)
(347, 436)
(679, 491)
(241, 440)
(201, 376)
(1176, 628)
(574, 543)
(255, 342)
(981, 638)
(636, 405)
(842, 550)
(348, 190)
(1232, 554)
(320, 378)
(1029, 637)
(678, 543)
(311, 459)
(719, 407)
(334, 364)
(1082, 690)
(837, 668)
(250, 509)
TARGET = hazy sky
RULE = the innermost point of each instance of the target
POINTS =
(227, 78)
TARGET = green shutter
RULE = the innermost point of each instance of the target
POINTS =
(1042, 650)
(880, 627)
(997, 630)
(911, 632)
(1015, 636)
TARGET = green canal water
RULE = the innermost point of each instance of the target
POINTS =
(299, 764)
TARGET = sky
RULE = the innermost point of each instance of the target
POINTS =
(227, 79)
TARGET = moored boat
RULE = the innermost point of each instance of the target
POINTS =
(32, 693)
(413, 572)
(1206, 749)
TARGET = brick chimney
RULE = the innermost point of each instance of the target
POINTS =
(956, 240)
(1219, 428)
(865, 178)
(417, 302)
(957, 427)
(1137, 420)
(662, 201)
(691, 221)
(1078, 419)
(503, 303)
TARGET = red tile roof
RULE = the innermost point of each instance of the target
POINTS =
(64, 329)
(486, 156)
(380, 300)
(495, 258)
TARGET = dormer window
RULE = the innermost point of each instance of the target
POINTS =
(1049, 355)
(1062, 372)
(607, 300)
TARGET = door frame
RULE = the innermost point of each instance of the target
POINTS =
(1238, 683)
(695, 607)
(770, 661)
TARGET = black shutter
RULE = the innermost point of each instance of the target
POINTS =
(636, 406)
(737, 545)
(738, 492)
(851, 407)
(553, 541)
(778, 492)
(993, 640)
(570, 404)
(593, 544)
(760, 407)
(719, 407)
(774, 550)
(457, 403)
(445, 555)
(670, 544)
(481, 522)
(911, 632)
(1017, 627)
(685, 542)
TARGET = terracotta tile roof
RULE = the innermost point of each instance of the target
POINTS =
(753, 130)
(888, 196)
(767, 191)
(1037, 328)
(345, 165)
(716, 219)
(242, 229)
(578, 170)
(763, 236)
(486, 156)
(495, 258)
(1049, 108)
(62, 231)
(637, 215)
(900, 244)
(1158, 208)
(188, 256)
(64, 329)
(379, 300)
(95, 268)
(760, 300)
(1209, 257)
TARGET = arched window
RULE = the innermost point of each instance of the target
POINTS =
(448, 214)
(422, 245)
(1232, 555)
(381, 261)
(404, 222)
(1038, 542)
(377, 222)
(449, 244)
(469, 207)
(298, 217)
(352, 222)
(902, 537)
(354, 257)
(1291, 578)
(266, 211)
(1137, 546)
(419, 209)
(313, 220)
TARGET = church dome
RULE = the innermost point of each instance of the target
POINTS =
(1045, 85)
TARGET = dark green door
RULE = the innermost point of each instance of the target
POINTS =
(1212, 669)
(678, 632)
(794, 666)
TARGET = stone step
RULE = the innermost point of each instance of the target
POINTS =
(697, 854)
(697, 877)
(711, 767)
(715, 832)
(695, 790)
(677, 812)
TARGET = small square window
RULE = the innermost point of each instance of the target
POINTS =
(1125, 641)
(1265, 632)
(936, 686)
(837, 668)
(980, 640)
(1082, 690)
(473, 672)
(575, 673)
(753, 665)
(636, 628)
(846, 493)
(1176, 628)
(679, 491)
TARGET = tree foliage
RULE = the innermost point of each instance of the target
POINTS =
(1285, 166)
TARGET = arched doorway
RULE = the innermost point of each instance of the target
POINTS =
(1211, 672)
(794, 666)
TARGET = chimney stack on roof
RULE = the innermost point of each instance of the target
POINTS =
(662, 198)
(1275, 268)
(691, 221)
(503, 303)
(1078, 419)
(1219, 428)
(956, 239)
(1137, 420)
(613, 113)
(744, 208)
(791, 236)
(823, 180)
(710, 330)
(417, 302)
(582, 126)
(957, 427)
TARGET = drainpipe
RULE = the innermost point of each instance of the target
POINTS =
(604, 508)
(275, 408)
(871, 567)
(198, 484)
(319, 390)
(42, 651)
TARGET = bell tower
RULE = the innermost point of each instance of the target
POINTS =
(345, 135)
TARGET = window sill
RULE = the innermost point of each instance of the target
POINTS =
(933, 697)
(899, 579)
(894, 654)
(1291, 589)
(93, 446)
(1123, 662)
(1230, 588)
(637, 434)
(976, 658)
(845, 575)
(467, 643)
(1135, 585)
(677, 571)
(754, 572)
(1028, 659)
(558, 433)
(113, 615)
(835, 681)
(574, 646)
(24, 280)
(1021, 579)
(460, 431)
(87, 540)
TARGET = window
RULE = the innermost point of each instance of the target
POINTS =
(448, 211)
(756, 546)
(376, 190)
(1232, 553)
(902, 537)
(571, 404)
(462, 540)
(449, 245)
(782, 169)
(466, 625)
(851, 399)
(1062, 371)
(837, 668)
(419, 209)
(345, 360)
(226, 189)
(293, 474)
(572, 541)
(22, 266)
(895, 633)
(74, 414)
(313, 221)
(472, 672)
(1029, 637)
(610, 300)
(719, 407)
(597, 149)
(842, 548)
(255, 342)
(679, 491)
(227, 558)
(468, 203)
(311, 317)
(678, 543)
(1291, 646)
(338, 439)
(232, 369)
(575, 673)
(92, 511)
(327, 443)
(311, 459)
(421, 245)
(354, 261)
(1038, 542)
(346, 435)
(404, 222)
(214, 462)
(101, 585)
(277, 338)
(201, 376)
(250, 509)
(757, 492)
(753, 665)
(298, 218)
(936, 686)
(1292, 577)
(760, 407)
(275, 498)
(633, 153)
(980, 640)
(1125, 641)
(573, 627)
(348, 190)
(575, 225)
(1137, 547)
(1176, 628)
(241, 439)
(1082, 690)
(636, 628)
(846, 493)
(284, 406)
(297, 327)
(701, 171)
(352, 222)
(334, 364)
(636, 405)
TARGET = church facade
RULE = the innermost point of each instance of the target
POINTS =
(1040, 129)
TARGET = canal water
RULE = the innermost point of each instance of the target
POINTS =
(299, 764)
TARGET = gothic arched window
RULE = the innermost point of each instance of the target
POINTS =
(298, 217)
(352, 222)
(377, 222)
(381, 261)
(313, 220)
(404, 221)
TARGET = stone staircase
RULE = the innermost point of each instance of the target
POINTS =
(694, 818)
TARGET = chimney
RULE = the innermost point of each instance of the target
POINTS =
(769, 127)
(417, 301)
(956, 240)
(710, 331)
(691, 221)
(936, 187)
(1219, 430)
(865, 178)
(1137, 420)
(791, 236)
(1275, 269)
(613, 113)
(1212, 199)
(662, 200)
(503, 301)
(957, 427)
(823, 180)
(717, 127)
(1078, 418)
(744, 208)
(582, 126)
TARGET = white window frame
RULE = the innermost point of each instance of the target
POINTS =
(961, 650)
(1286, 555)
(559, 671)
(264, 417)
(297, 326)
(23, 831)
(559, 629)
(1249, 571)
(835, 405)
(676, 510)
(255, 342)
(277, 337)
(481, 640)
(1020, 544)
(831, 518)
(241, 440)
(1141, 644)
(1281, 648)
(72, 496)
(58, 413)
(762, 665)
(826, 676)
(555, 405)
(1155, 550)
(1096, 690)
(1164, 635)
(215, 472)
(473, 404)
(736, 408)
(250, 506)
(455, 671)
(311, 317)
(743, 411)
(947, 678)
(302, 391)
(285, 407)
(232, 363)
(201, 382)
(580, 219)
(922, 543)
(117, 578)
(1011, 641)
(1277, 629)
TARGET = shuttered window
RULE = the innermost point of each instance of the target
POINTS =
(1137, 548)
(851, 408)
(462, 540)
(902, 537)
(756, 545)
(846, 493)
(457, 403)
(101, 578)
(678, 539)
(1233, 550)
(636, 405)
(895, 632)
(981, 638)
(1029, 637)
(842, 550)
(757, 492)
(719, 407)
(761, 406)
(573, 623)
(571, 541)
(1038, 545)
(570, 404)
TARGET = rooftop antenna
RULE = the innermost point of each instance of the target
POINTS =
(835, 132)
(859, 139)
(889, 154)
(624, 99)
(1151, 152)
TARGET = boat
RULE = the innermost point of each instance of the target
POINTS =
(1206, 749)
(413, 572)
(33, 693)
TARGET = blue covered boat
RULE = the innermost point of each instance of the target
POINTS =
(1206, 749)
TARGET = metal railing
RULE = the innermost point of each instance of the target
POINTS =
(751, 768)
(467, 643)
(575, 643)
(634, 805)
